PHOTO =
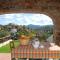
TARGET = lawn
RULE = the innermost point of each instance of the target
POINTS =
(6, 48)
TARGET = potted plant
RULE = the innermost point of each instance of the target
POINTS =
(24, 37)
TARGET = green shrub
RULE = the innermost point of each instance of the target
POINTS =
(3, 33)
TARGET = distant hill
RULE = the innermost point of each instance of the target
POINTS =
(31, 26)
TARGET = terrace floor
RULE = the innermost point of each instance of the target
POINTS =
(5, 56)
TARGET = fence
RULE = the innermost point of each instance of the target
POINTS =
(6, 38)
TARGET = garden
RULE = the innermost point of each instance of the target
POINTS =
(22, 31)
(6, 48)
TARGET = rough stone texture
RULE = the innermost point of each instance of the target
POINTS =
(48, 7)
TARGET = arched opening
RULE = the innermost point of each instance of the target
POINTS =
(39, 25)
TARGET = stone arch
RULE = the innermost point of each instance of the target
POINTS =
(48, 7)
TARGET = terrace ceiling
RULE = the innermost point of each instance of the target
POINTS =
(11, 6)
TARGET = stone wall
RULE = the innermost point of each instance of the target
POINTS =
(48, 7)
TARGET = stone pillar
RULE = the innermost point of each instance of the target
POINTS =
(57, 31)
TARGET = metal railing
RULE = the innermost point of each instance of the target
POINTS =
(3, 39)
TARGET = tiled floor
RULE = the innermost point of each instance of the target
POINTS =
(5, 56)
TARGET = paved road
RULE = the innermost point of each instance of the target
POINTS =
(5, 56)
(50, 39)
(3, 44)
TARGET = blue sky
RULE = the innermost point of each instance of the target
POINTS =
(25, 19)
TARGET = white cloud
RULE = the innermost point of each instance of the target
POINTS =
(25, 19)
(8, 16)
(40, 19)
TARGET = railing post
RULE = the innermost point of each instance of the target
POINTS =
(12, 46)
